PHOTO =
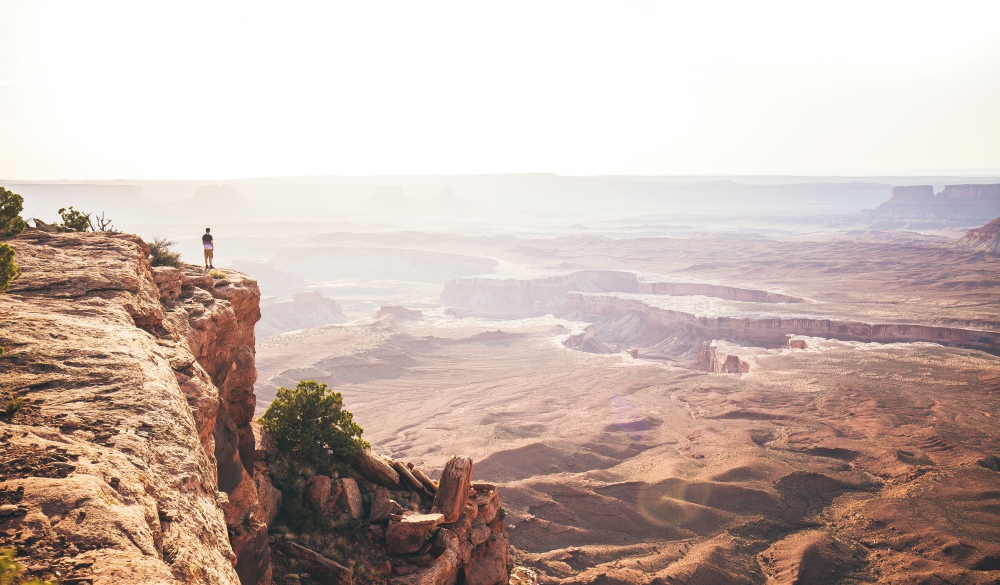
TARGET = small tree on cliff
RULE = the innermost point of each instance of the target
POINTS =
(8, 270)
(310, 423)
(73, 220)
(11, 205)
(160, 253)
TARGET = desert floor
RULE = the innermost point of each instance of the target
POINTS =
(844, 462)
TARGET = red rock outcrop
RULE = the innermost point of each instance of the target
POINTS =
(774, 331)
(710, 360)
(985, 238)
(129, 450)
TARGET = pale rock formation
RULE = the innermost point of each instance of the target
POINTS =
(710, 360)
(794, 343)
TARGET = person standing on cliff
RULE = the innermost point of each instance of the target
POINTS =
(209, 245)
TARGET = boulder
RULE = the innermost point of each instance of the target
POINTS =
(453, 488)
(383, 506)
(409, 480)
(423, 478)
(318, 492)
(407, 534)
(349, 497)
(375, 469)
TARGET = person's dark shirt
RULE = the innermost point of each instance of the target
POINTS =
(206, 239)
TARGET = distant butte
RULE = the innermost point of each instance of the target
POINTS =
(954, 202)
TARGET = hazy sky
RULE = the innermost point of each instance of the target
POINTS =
(144, 90)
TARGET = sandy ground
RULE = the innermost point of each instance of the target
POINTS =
(844, 462)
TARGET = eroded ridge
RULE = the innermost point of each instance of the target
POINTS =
(550, 292)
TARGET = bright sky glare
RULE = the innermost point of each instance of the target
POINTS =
(210, 90)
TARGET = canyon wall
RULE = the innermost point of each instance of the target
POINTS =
(772, 331)
(128, 393)
(549, 292)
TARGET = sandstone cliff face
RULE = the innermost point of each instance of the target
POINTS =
(986, 238)
(127, 448)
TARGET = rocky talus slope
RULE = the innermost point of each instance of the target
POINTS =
(389, 523)
(129, 455)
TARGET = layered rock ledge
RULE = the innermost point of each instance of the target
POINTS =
(127, 394)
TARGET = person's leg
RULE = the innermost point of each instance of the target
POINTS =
(208, 254)
(211, 254)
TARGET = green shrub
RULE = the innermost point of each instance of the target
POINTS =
(9, 271)
(11, 406)
(310, 424)
(216, 274)
(160, 253)
(10, 571)
(73, 220)
(11, 205)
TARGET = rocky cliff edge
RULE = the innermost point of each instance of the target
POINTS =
(126, 394)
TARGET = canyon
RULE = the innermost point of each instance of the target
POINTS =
(698, 409)
(690, 400)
